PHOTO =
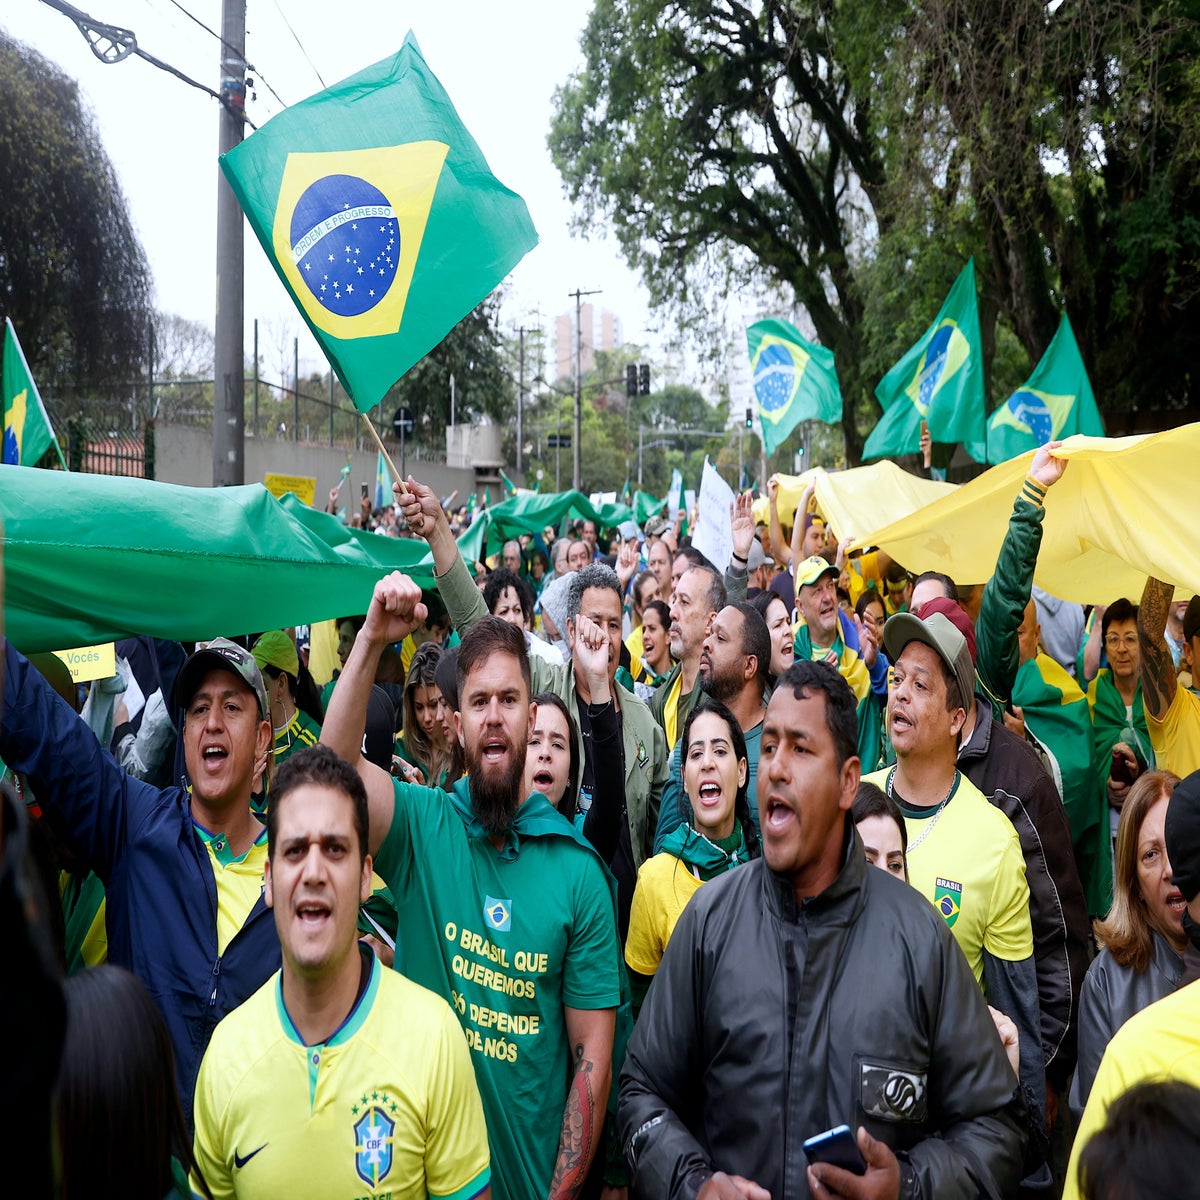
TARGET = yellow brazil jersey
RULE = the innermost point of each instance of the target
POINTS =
(968, 864)
(1176, 738)
(1161, 1042)
(665, 883)
(239, 882)
(386, 1107)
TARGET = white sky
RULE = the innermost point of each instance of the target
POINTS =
(499, 60)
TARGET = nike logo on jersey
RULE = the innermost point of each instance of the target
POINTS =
(240, 1161)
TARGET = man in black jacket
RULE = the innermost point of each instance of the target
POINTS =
(862, 1010)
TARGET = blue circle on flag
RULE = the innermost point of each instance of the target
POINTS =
(346, 243)
(1031, 410)
(774, 378)
(933, 365)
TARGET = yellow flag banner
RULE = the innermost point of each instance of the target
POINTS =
(304, 487)
(1111, 520)
(855, 500)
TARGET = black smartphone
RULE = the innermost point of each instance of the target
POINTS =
(838, 1148)
(364, 491)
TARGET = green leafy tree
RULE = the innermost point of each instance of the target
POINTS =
(73, 275)
(856, 154)
(473, 352)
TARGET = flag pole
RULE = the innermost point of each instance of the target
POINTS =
(383, 450)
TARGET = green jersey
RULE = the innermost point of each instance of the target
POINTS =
(509, 937)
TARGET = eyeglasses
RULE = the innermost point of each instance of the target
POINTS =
(1129, 641)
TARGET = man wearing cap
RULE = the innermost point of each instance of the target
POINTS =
(1163, 1040)
(962, 854)
(1172, 712)
(1012, 777)
(182, 866)
(277, 659)
(819, 639)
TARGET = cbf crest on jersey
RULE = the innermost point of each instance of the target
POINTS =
(373, 1139)
(381, 217)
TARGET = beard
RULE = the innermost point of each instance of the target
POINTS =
(720, 686)
(496, 792)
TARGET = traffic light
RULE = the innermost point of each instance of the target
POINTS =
(631, 380)
(749, 418)
(644, 379)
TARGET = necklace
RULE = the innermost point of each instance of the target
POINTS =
(930, 821)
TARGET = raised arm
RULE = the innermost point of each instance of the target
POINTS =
(741, 516)
(395, 611)
(1008, 591)
(1157, 669)
(590, 1032)
(426, 517)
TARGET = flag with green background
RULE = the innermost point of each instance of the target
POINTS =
(27, 431)
(939, 380)
(381, 217)
(1054, 402)
(794, 380)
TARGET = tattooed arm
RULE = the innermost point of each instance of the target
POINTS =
(591, 1035)
(1157, 669)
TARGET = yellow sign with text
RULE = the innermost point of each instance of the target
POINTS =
(304, 486)
(90, 662)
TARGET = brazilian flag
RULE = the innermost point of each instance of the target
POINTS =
(939, 380)
(27, 431)
(1054, 402)
(794, 380)
(1057, 713)
(381, 217)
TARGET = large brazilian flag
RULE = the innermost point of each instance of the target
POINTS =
(381, 217)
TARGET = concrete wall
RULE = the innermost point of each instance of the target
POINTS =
(183, 454)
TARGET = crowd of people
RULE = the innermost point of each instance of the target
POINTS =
(599, 869)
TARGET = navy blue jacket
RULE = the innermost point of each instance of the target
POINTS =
(161, 894)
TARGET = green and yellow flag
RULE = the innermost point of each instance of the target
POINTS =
(1054, 402)
(794, 380)
(381, 217)
(940, 381)
(27, 431)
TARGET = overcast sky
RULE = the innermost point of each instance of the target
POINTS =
(499, 60)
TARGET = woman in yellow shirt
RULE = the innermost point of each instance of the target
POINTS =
(718, 837)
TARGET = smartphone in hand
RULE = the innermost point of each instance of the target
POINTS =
(838, 1148)
(1121, 771)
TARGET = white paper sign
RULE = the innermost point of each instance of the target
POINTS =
(713, 535)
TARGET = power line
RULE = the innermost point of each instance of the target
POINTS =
(249, 66)
(112, 44)
(301, 45)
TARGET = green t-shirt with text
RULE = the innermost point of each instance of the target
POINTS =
(509, 937)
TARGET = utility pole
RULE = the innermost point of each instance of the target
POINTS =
(579, 295)
(229, 467)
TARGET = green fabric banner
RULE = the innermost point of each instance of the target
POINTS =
(93, 558)
(939, 380)
(380, 216)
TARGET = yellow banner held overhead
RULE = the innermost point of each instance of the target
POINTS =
(90, 662)
(1120, 512)
(304, 487)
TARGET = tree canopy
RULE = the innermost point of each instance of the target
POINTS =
(852, 156)
(73, 276)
